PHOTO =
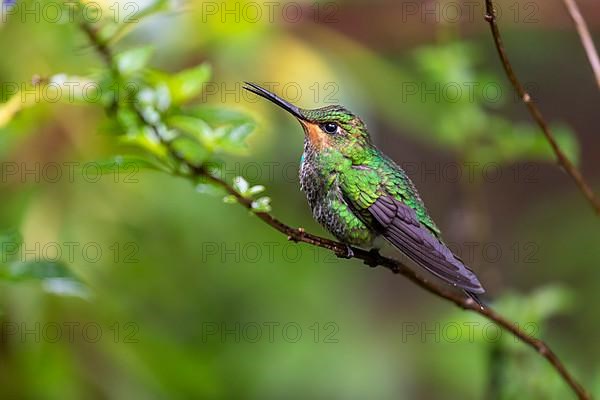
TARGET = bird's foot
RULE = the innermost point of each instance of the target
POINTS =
(372, 261)
(348, 254)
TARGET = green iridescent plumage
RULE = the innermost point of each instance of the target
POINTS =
(357, 193)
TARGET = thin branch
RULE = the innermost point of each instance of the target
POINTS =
(375, 259)
(586, 38)
(371, 258)
(563, 160)
(100, 46)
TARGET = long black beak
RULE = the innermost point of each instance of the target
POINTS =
(292, 109)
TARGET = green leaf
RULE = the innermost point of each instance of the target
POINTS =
(205, 186)
(191, 150)
(232, 138)
(195, 127)
(217, 115)
(552, 300)
(188, 83)
(38, 270)
(508, 142)
(55, 277)
(256, 190)
(567, 141)
(10, 242)
(65, 287)
(184, 85)
(239, 133)
(450, 62)
(145, 140)
(131, 61)
(129, 121)
(217, 135)
(240, 185)
(229, 199)
(158, 98)
(128, 165)
(262, 204)
(538, 306)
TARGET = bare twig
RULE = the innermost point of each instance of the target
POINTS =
(100, 46)
(586, 38)
(563, 160)
(370, 258)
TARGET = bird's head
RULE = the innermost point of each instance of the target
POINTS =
(330, 127)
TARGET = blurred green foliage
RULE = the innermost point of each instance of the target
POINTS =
(174, 315)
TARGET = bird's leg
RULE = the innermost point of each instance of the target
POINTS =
(349, 253)
(372, 261)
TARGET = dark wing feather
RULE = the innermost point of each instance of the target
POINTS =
(401, 227)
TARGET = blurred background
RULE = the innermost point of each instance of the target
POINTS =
(130, 283)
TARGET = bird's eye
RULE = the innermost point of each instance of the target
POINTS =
(330, 127)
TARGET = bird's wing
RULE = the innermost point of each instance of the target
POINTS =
(401, 227)
(378, 202)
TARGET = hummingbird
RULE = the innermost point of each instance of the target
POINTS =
(359, 194)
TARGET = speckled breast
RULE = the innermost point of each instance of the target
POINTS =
(328, 205)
